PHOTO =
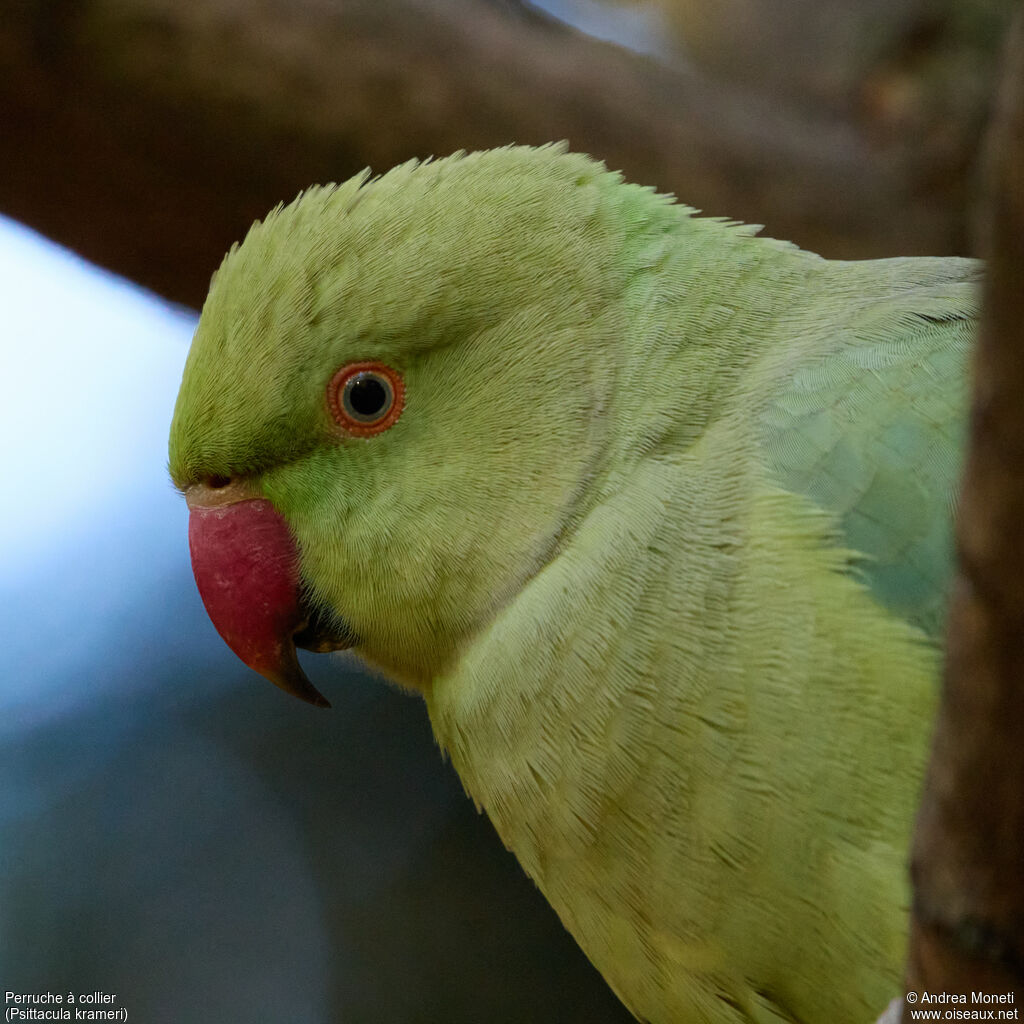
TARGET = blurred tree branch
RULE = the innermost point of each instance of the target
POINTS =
(968, 859)
(148, 134)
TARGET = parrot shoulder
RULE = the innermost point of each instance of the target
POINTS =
(871, 427)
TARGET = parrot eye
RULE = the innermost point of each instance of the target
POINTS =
(366, 398)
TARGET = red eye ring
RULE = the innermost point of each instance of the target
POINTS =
(366, 398)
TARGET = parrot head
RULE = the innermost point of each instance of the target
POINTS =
(394, 404)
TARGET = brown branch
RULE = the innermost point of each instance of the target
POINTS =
(968, 859)
(148, 134)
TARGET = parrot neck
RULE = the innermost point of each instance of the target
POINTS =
(644, 711)
(553, 690)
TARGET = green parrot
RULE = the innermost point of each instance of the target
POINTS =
(655, 515)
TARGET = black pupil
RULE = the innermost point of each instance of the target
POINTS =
(367, 395)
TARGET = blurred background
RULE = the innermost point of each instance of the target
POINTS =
(172, 829)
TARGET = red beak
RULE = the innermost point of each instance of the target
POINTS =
(246, 566)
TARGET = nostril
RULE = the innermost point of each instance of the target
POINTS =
(217, 489)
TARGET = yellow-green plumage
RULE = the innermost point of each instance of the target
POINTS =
(662, 536)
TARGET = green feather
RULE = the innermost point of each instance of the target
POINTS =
(873, 431)
(662, 536)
